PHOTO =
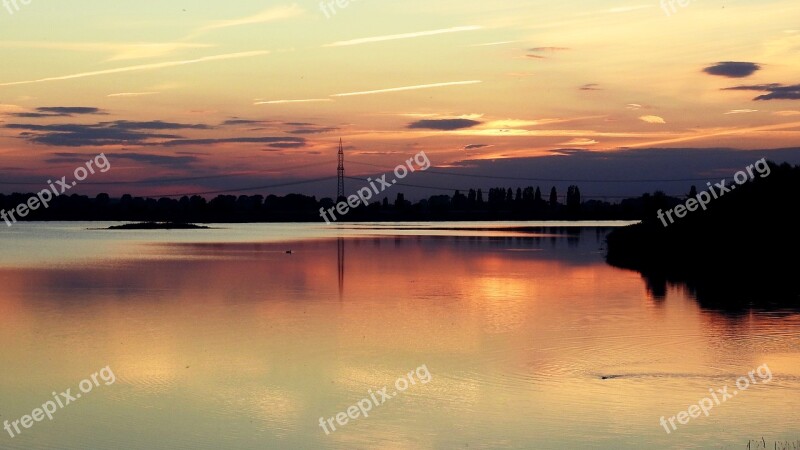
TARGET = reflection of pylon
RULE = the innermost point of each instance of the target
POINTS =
(340, 173)
(340, 251)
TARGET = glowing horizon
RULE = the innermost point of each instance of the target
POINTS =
(244, 87)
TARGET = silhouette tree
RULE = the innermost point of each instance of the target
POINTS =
(553, 197)
(573, 199)
(459, 200)
(102, 200)
(401, 202)
(527, 195)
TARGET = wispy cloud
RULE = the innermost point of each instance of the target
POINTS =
(280, 102)
(312, 129)
(535, 52)
(714, 134)
(624, 9)
(267, 15)
(132, 94)
(235, 121)
(120, 51)
(153, 50)
(476, 146)
(472, 116)
(443, 124)
(125, 51)
(548, 49)
(579, 142)
(490, 44)
(418, 115)
(394, 37)
(60, 111)
(653, 119)
(120, 132)
(273, 142)
(776, 91)
(9, 109)
(142, 67)
(408, 88)
(522, 123)
(741, 111)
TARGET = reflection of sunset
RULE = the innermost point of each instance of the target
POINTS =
(503, 302)
(515, 337)
(152, 369)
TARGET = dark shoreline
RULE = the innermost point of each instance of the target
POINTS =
(157, 226)
(738, 254)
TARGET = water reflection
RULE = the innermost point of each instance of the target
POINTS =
(243, 345)
(733, 292)
(340, 251)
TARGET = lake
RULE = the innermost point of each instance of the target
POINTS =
(283, 336)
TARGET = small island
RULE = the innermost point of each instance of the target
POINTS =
(158, 226)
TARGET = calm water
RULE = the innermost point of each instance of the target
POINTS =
(221, 339)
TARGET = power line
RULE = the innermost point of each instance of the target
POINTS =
(415, 185)
(111, 183)
(300, 182)
(485, 190)
(254, 188)
(556, 180)
(168, 180)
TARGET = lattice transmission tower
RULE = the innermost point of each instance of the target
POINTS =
(340, 173)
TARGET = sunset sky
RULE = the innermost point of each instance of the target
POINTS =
(244, 94)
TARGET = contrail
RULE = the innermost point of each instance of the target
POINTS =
(268, 15)
(278, 102)
(408, 88)
(142, 67)
(401, 36)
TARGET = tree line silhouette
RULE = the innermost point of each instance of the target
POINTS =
(497, 204)
(737, 254)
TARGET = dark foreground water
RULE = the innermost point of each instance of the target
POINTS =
(215, 339)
